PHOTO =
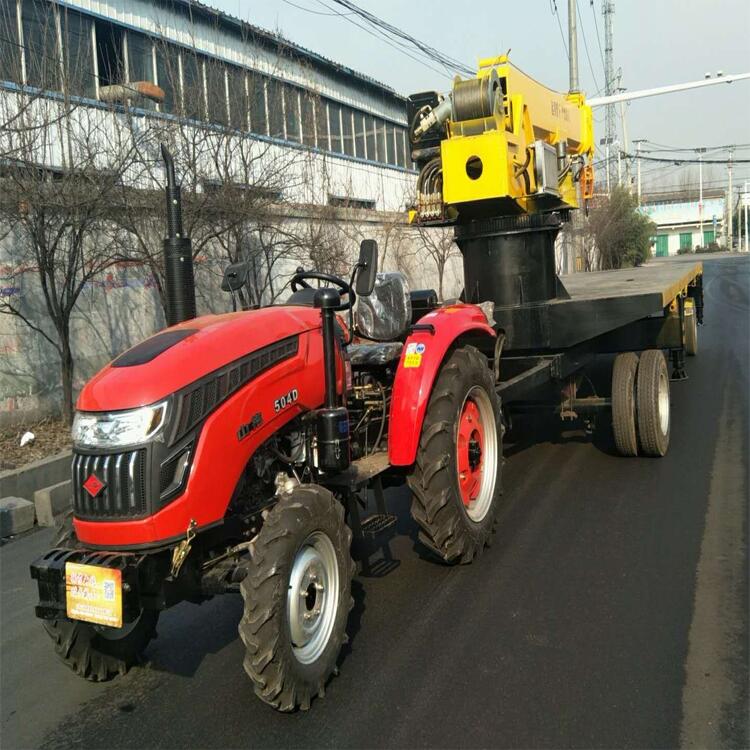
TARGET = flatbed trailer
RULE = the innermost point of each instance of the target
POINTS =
(656, 306)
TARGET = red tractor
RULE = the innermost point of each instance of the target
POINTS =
(231, 454)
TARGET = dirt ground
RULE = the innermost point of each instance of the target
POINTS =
(51, 436)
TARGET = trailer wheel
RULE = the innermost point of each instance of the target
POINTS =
(456, 476)
(652, 403)
(623, 403)
(93, 652)
(297, 598)
(691, 332)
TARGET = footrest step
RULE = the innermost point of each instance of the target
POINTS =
(375, 525)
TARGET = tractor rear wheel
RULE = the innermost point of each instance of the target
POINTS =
(456, 476)
(297, 598)
(95, 652)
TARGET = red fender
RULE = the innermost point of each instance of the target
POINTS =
(420, 362)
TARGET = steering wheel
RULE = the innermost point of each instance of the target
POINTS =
(299, 281)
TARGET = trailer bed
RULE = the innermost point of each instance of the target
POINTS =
(661, 281)
(593, 304)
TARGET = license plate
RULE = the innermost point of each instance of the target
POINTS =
(93, 594)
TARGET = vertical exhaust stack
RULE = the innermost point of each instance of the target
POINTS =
(178, 253)
(332, 421)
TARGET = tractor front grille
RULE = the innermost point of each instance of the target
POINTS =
(123, 494)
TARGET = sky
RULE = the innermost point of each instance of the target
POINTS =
(656, 43)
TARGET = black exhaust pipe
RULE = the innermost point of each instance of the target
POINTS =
(332, 423)
(179, 278)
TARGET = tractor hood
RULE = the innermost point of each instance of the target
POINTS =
(178, 356)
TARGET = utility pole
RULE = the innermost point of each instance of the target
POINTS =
(571, 237)
(573, 46)
(638, 167)
(746, 203)
(700, 192)
(610, 122)
(730, 206)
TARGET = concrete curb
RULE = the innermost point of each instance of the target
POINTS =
(52, 501)
(24, 482)
(16, 516)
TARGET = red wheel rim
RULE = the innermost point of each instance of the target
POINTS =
(470, 452)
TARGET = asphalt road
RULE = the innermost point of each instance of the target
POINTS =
(611, 611)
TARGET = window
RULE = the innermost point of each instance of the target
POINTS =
(347, 131)
(168, 74)
(140, 64)
(372, 151)
(216, 93)
(78, 54)
(238, 105)
(40, 45)
(307, 103)
(192, 86)
(110, 55)
(291, 114)
(140, 61)
(401, 147)
(359, 135)
(10, 51)
(343, 202)
(390, 143)
(321, 123)
(275, 109)
(256, 87)
(380, 136)
(334, 126)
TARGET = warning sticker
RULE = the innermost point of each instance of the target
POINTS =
(413, 357)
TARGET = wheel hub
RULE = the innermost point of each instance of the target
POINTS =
(663, 397)
(476, 453)
(312, 597)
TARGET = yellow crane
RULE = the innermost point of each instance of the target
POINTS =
(499, 144)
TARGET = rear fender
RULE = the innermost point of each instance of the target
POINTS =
(420, 362)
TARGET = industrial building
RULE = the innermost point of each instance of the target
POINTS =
(327, 146)
(214, 68)
(682, 223)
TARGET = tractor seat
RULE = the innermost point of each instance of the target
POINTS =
(374, 354)
(303, 297)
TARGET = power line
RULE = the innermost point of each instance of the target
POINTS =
(316, 12)
(598, 35)
(586, 46)
(666, 160)
(553, 8)
(661, 148)
(395, 32)
(392, 43)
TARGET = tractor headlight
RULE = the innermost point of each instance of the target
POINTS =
(118, 429)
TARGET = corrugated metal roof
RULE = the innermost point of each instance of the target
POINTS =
(234, 22)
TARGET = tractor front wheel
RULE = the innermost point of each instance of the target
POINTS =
(456, 476)
(297, 598)
(92, 651)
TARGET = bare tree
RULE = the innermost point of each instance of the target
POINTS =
(55, 198)
(232, 181)
(437, 245)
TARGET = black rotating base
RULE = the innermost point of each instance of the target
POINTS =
(511, 260)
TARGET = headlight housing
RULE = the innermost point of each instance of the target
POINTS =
(118, 429)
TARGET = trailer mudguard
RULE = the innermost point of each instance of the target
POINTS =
(421, 359)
